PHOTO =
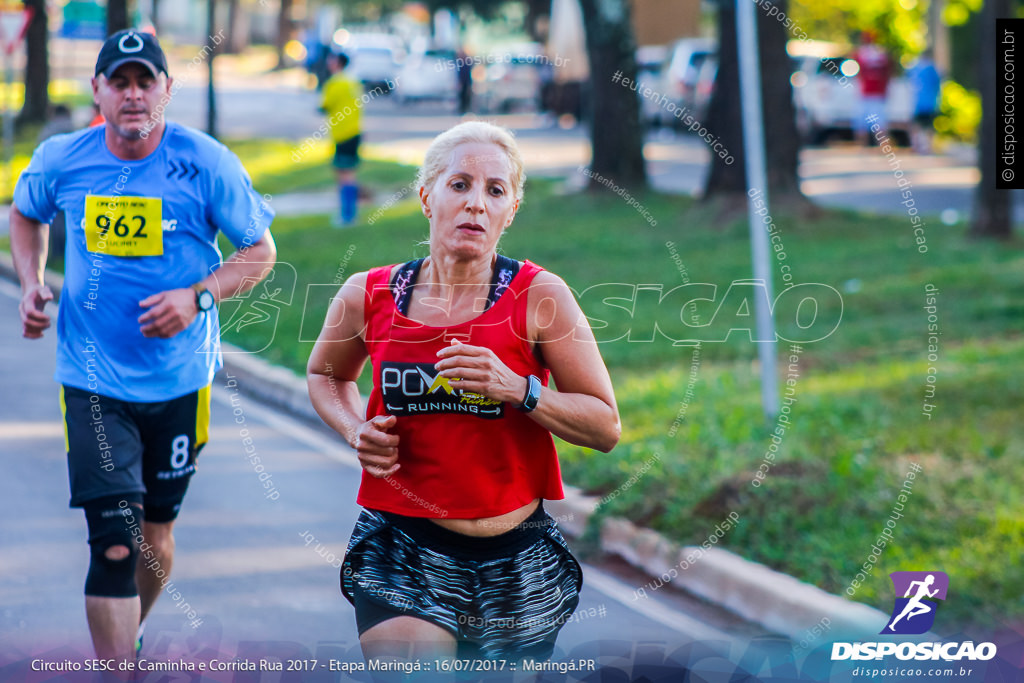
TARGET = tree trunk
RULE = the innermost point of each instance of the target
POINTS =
(782, 144)
(537, 13)
(211, 91)
(156, 16)
(284, 30)
(117, 16)
(37, 67)
(238, 28)
(616, 132)
(992, 207)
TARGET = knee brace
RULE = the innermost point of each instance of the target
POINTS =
(113, 521)
(161, 514)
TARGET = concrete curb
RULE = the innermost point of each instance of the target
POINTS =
(764, 596)
(273, 385)
(755, 592)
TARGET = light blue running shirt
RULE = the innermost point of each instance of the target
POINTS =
(202, 188)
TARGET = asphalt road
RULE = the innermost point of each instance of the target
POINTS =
(247, 560)
(279, 105)
(839, 176)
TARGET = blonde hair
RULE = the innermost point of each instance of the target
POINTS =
(440, 152)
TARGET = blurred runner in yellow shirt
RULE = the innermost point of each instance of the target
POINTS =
(341, 103)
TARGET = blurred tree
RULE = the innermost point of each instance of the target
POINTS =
(536, 10)
(117, 16)
(616, 131)
(37, 66)
(485, 9)
(965, 50)
(284, 30)
(156, 16)
(238, 31)
(725, 121)
(360, 10)
(211, 90)
(900, 26)
(992, 207)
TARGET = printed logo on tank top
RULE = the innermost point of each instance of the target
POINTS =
(418, 389)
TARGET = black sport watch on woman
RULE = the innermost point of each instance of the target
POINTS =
(533, 386)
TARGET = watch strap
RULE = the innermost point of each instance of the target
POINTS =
(532, 397)
(200, 290)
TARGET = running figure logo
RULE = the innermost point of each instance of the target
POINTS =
(914, 613)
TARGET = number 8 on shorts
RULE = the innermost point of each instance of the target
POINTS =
(179, 451)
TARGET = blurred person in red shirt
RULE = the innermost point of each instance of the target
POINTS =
(873, 78)
(97, 119)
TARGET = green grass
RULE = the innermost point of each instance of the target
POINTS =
(280, 166)
(856, 424)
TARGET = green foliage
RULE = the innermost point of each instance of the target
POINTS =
(957, 12)
(898, 25)
(960, 112)
(360, 10)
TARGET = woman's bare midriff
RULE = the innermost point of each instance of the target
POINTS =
(489, 526)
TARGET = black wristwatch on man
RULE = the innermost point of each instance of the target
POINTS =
(204, 297)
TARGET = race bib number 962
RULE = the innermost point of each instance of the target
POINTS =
(124, 226)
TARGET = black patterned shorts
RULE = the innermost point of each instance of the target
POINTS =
(503, 596)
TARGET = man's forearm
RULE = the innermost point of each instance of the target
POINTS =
(29, 246)
(243, 270)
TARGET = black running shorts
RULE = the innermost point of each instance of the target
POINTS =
(346, 154)
(117, 447)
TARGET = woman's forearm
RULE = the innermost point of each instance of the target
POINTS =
(579, 419)
(338, 403)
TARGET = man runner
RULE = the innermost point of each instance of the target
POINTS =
(138, 334)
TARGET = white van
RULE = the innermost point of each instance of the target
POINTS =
(826, 94)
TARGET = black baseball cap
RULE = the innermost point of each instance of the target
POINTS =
(131, 46)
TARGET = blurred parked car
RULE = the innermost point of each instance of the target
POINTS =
(376, 57)
(826, 106)
(649, 61)
(700, 101)
(680, 77)
(428, 75)
(510, 80)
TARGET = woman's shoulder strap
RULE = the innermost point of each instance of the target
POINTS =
(403, 282)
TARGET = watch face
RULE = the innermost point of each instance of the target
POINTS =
(205, 301)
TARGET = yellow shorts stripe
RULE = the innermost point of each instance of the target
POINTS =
(64, 420)
(203, 416)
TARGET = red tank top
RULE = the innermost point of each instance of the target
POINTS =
(463, 456)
